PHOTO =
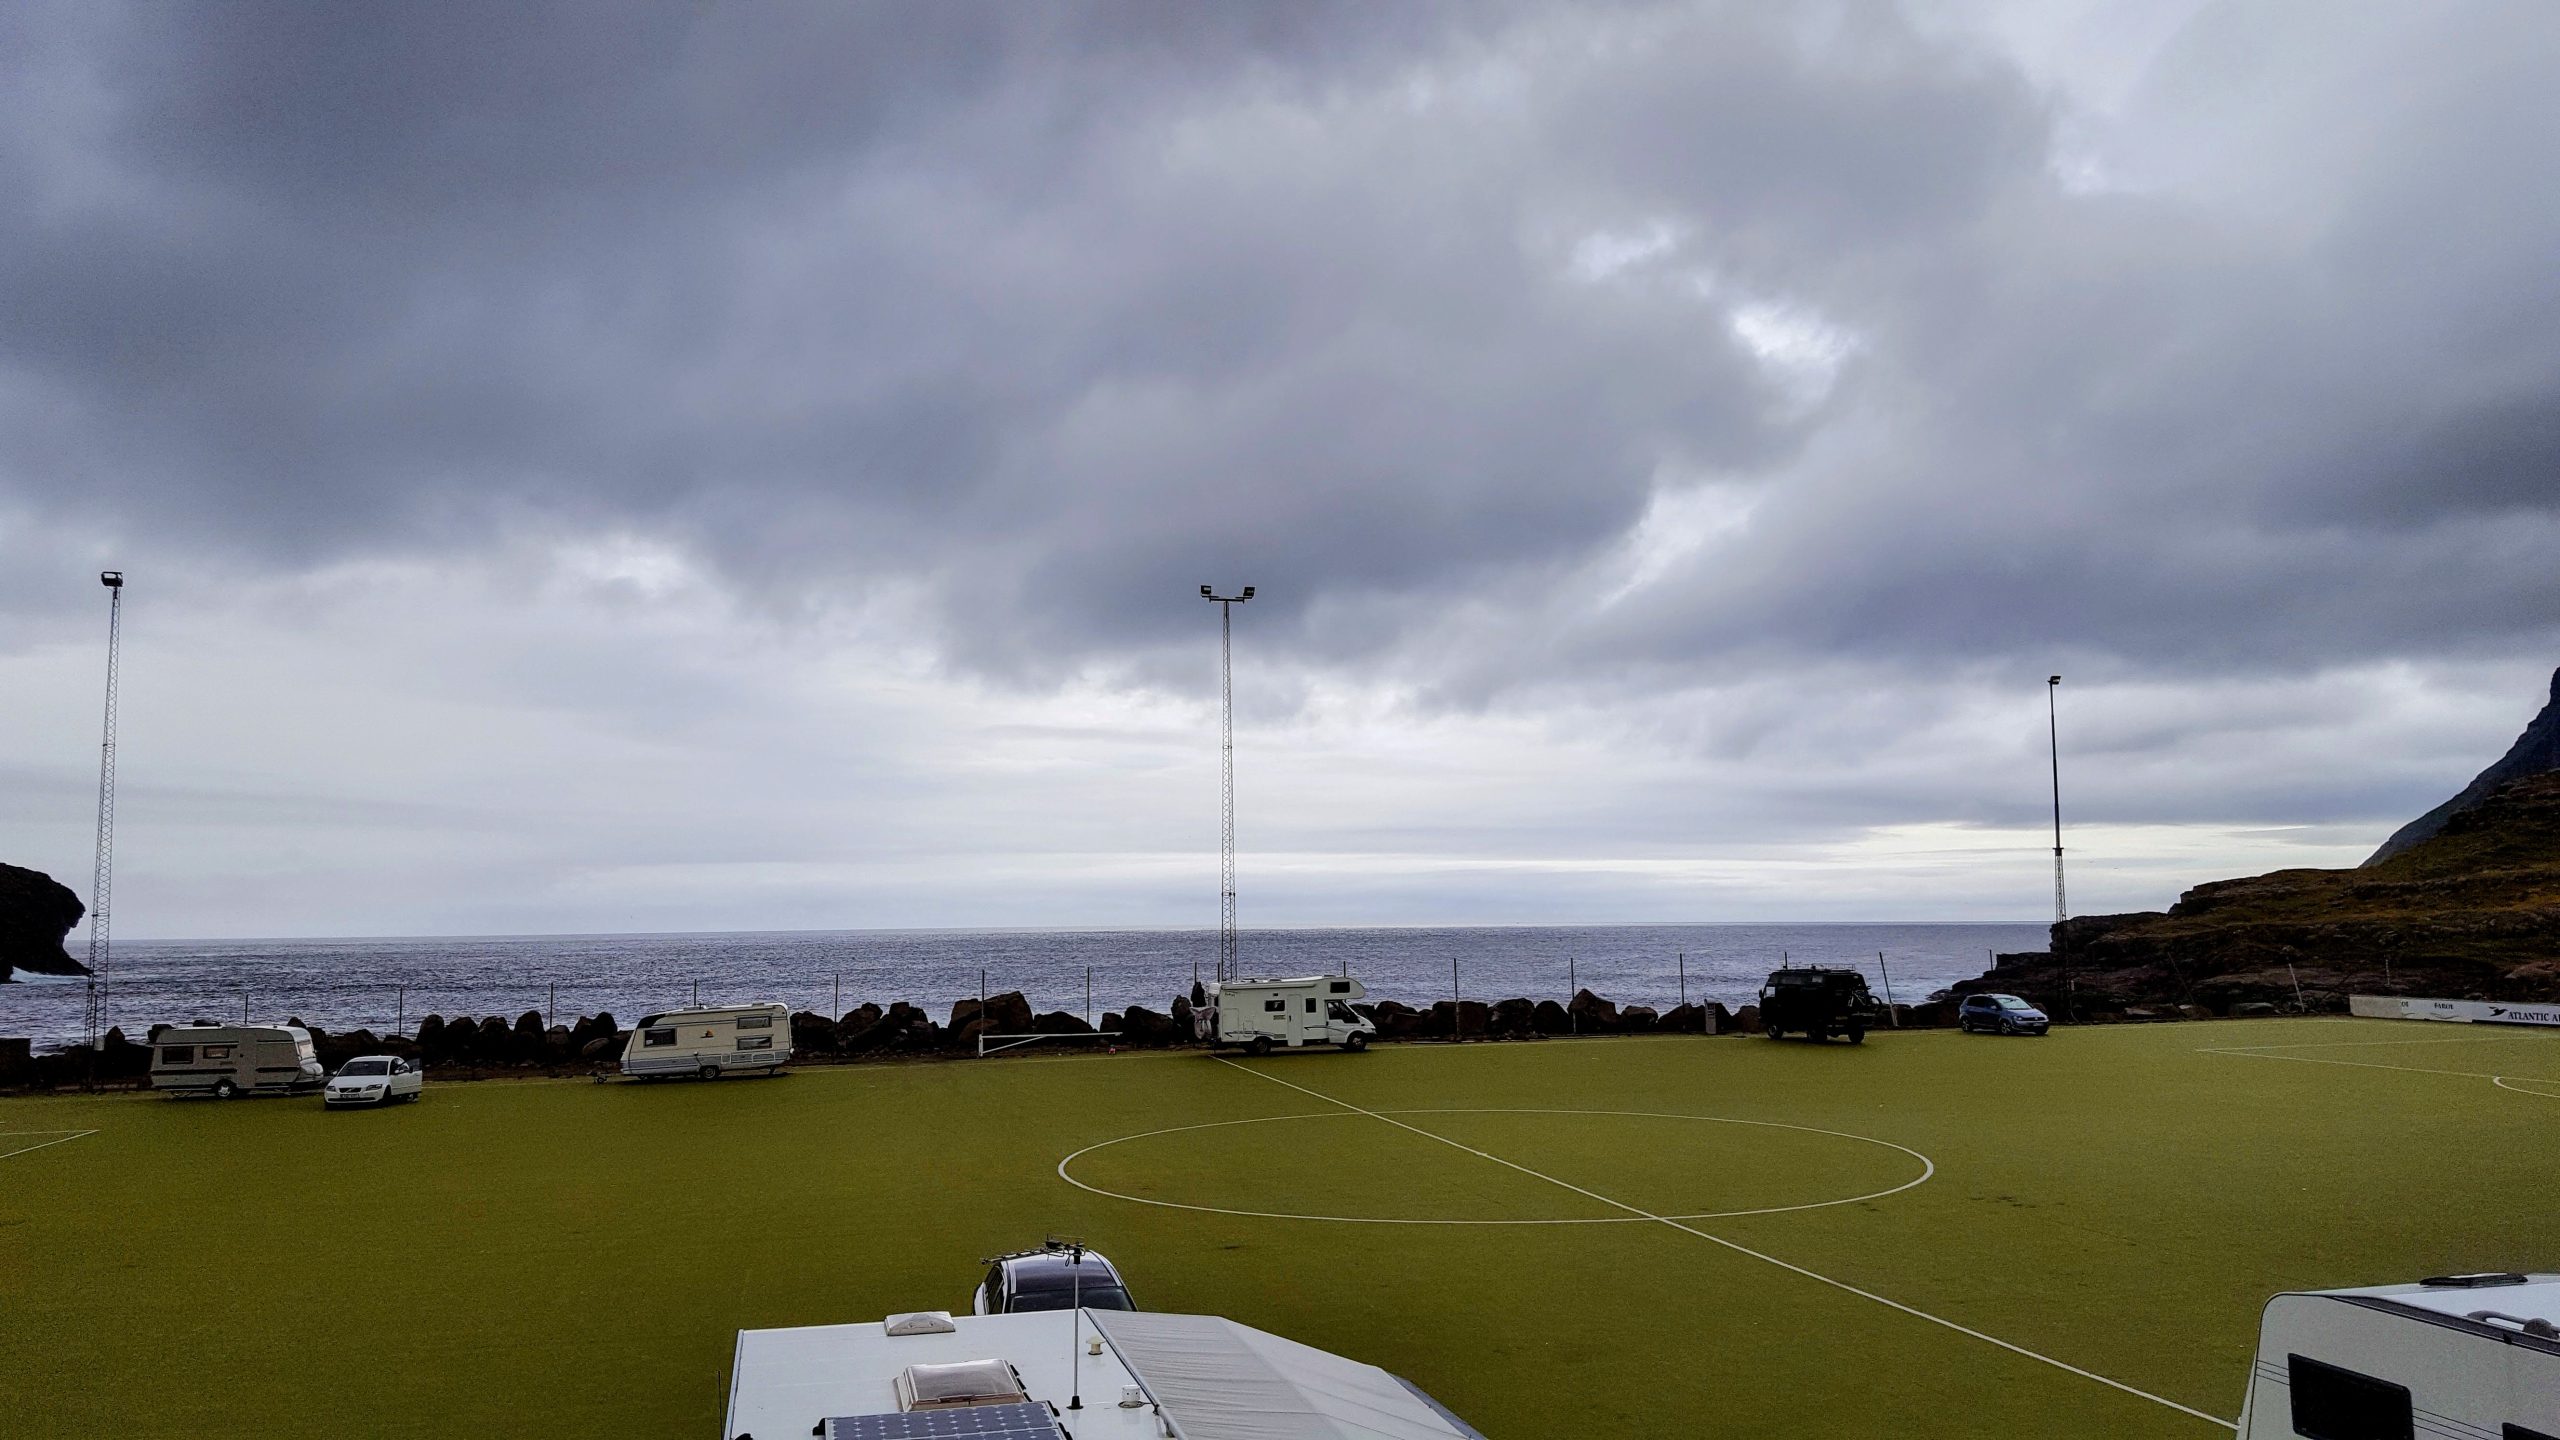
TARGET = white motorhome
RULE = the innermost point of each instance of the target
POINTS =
(227, 1060)
(1262, 1014)
(711, 1042)
(1036, 1375)
(2455, 1355)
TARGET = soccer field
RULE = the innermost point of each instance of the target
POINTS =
(1931, 1234)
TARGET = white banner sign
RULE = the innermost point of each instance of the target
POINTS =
(2469, 1012)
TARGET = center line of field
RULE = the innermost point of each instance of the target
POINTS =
(2353, 1064)
(1741, 1249)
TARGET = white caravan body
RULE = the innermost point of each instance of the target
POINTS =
(1268, 1014)
(711, 1042)
(227, 1060)
(2467, 1355)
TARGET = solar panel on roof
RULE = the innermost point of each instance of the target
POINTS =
(1029, 1420)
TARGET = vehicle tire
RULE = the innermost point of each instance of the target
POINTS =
(709, 1072)
(1356, 1043)
(1857, 1034)
(1773, 1032)
(224, 1089)
(1260, 1046)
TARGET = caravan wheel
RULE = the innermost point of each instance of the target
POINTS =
(224, 1089)
(709, 1072)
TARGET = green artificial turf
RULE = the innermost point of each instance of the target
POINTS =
(565, 1259)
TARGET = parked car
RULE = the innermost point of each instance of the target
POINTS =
(1818, 1002)
(2001, 1015)
(227, 1060)
(374, 1080)
(1058, 1276)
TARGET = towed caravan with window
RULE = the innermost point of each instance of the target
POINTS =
(711, 1042)
(2470, 1355)
(1261, 1014)
(227, 1060)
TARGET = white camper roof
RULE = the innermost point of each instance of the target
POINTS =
(2536, 1298)
(1213, 1378)
(1245, 983)
(196, 1034)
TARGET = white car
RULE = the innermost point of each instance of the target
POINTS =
(375, 1080)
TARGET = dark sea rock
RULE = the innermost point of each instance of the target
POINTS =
(1549, 1018)
(1593, 1015)
(2536, 752)
(813, 1034)
(1513, 1019)
(36, 911)
(1142, 1026)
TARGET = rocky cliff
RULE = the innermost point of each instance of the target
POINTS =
(2536, 752)
(36, 911)
(2473, 910)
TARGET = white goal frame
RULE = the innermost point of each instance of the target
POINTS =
(1015, 1042)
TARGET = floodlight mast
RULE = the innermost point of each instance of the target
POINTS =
(1226, 777)
(2061, 910)
(102, 879)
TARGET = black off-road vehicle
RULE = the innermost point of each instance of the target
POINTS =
(1818, 1002)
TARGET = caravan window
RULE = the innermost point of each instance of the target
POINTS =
(1341, 987)
(177, 1054)
(217, 1052)
(1275, 1006)
(755, 1042)
(663, 1035)
(755, 1022)
(2331, 1403)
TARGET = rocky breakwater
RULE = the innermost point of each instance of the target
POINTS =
(36, 912)
(2472, 911)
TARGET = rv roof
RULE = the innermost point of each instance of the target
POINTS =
(2537, 1298)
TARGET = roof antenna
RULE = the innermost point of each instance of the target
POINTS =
(1075, 1332)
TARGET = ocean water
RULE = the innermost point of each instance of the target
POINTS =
(382, 984)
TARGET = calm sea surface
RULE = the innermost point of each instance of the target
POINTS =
(379, 984)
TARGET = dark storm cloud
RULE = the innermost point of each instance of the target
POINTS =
(1046, 314)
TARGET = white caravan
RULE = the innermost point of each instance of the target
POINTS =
(2456, 1355)
(711, 1042)
(1106, 1374)
(227, 1060)
(1261, 1014)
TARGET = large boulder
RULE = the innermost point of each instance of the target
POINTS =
(528, 1044)
(36, 911)
(1399, 1021)
(121, 1059)
(1746, 1021)
(497, 1040)
(1142, 1026)
(1055, 1022)
(1593, 1015)
(17, 1062)
(814, 1034)
(1639, 1019)
(1550, 1019)
(1514, 1019)
(433, 1046)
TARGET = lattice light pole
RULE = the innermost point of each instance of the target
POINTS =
(102, 879)
(1226, 777)
(2053, 727)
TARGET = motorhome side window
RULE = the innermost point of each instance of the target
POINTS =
(755, 1022)
(1275, 1005)
(2332, 1403)
(663, 1035)
(1336, 1010)
(1341, 987)
(755, 1042)
(177, 1054)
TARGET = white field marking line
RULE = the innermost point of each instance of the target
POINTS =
(67, 1137)
(2498, 1080)
(1742, 1249)
(1928, 1168)
(2501, 1082)
(2337, 1044)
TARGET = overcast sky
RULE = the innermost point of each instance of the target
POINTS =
(727, 465)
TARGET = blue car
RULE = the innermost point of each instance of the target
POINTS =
(2000, 1015)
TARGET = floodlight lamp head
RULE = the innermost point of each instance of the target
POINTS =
(1206, 592)
(2053, 680)
(112, 579)
(1248, 592)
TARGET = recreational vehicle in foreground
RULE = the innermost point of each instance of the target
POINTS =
(2458, 1355)
(1261, 1014)
(711, 1042)
(227, 1060)
(1040, 1375)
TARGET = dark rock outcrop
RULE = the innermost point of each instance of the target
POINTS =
(1142, 1026)
(2536, 752)
(36, 911)
(1593, 1015)
(2473, 910)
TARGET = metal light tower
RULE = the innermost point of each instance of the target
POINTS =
(102, 880)
(1226, 777)
(2053, 728)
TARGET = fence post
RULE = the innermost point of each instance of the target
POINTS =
(244, 1004)
(1088, 996)
(1684, 977)
(551, 1007)
(1572, 987)
(839, 992)
(1457, 1013)
(400, 1010)
(1888, 988)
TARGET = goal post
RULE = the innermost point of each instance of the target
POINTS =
(1015, 1042)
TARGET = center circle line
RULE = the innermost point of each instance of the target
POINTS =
(1928, 1168)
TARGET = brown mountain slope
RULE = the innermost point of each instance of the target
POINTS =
(2474, 910)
